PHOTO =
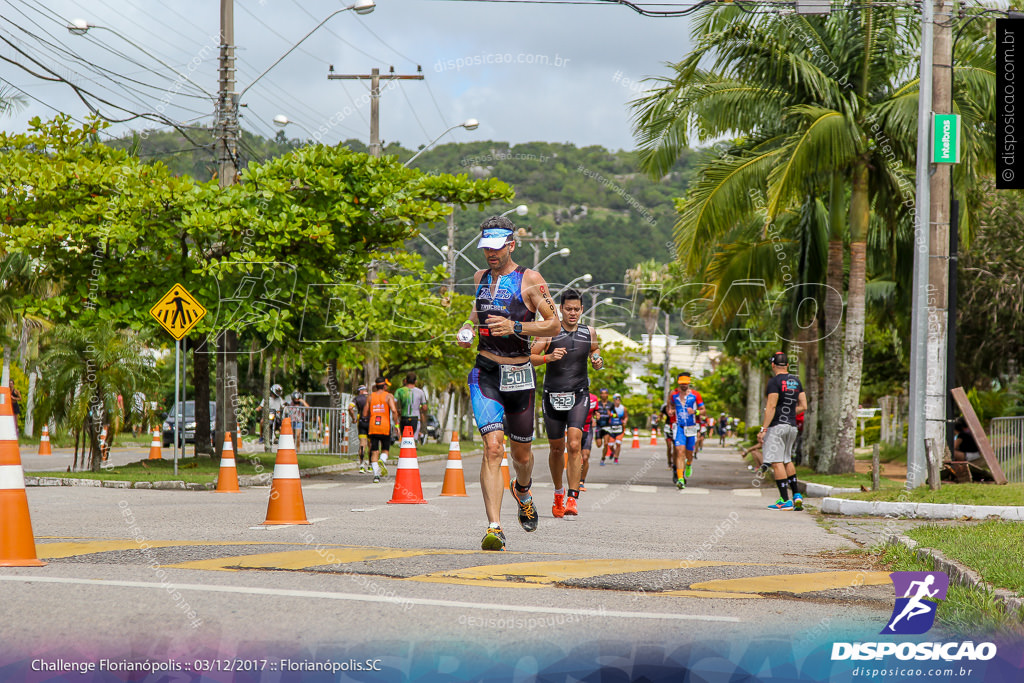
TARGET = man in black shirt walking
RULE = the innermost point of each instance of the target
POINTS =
(785, 400)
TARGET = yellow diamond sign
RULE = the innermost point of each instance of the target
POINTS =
(178, 311)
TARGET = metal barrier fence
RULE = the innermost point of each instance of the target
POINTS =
(1007, 437)
(323, 431)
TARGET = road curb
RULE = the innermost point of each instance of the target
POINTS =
(811, 490)
(961, 574)
(248, 480)
(878, 508)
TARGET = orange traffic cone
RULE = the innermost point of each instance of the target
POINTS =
(454, 480)
(408, 488)
(104, 452)
(154, 445)
(17, 544)
(227, 480)
(654, 437)
(286, 505)
(44, 441)
(504, 464)
(636, 438)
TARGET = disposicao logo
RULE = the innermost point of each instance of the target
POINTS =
(914, 614)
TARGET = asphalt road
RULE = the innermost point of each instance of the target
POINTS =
(172, 573)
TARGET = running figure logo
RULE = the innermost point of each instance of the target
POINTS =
(914, 612)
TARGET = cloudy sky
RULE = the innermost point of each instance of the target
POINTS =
(528, 72)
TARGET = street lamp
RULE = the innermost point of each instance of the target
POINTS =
(520, 210)
(359, 6)
(79, 27)
(468, 124)
(281, 121)
(609, 300)
(587, 277)
(563, 252)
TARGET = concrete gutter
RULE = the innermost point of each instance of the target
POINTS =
(247, 480)
(876, 508)
(961, 574)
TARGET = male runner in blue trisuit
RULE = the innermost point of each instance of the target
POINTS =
(502, 384)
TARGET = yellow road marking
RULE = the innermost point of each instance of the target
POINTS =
(52, 551)
(709, 594)
(795, 583)
(553, 571)
(305, 559)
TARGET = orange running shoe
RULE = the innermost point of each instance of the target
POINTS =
(570, 506)
(558, 509)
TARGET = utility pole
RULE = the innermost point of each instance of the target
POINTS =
(374, 77)
(371, 366)
(916, 465)
(227, 174)
(594, 292)
(535, 242)
(936, 401)
(450, 256)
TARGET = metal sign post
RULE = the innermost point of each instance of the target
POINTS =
(178, 311)
(177, 413)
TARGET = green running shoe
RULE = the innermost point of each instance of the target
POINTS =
(688, 471)
(494, 539)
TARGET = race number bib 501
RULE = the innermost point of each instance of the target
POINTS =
(516, 377)
(562, 400)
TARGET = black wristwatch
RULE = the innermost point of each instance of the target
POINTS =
(517, 327)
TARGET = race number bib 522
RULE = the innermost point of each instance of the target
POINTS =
(516, 377)
(562, 400)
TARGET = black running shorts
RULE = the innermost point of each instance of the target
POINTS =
(557, 421)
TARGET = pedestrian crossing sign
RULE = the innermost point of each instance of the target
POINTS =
(178, 311)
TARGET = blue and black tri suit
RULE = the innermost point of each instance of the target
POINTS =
(493, 408)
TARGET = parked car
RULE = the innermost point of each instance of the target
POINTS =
(188, 422)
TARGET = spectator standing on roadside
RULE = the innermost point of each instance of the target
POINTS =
(412, 404)
(15, 403)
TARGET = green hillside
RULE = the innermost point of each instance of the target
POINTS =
(608, 214)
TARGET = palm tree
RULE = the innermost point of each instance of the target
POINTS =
(822, 104)
(646, 280)
(86, 370)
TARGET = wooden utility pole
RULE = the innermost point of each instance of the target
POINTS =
(375, 78)
(936, 400)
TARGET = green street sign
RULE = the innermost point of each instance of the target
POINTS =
(945, 139)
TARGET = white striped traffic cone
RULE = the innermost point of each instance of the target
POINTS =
(227, 479)
(17, 544)
(44, 441)
(154, 445)
(454, 479)
(286, 505)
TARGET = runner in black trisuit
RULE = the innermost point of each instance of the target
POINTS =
(501, 385)
(567, 396)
